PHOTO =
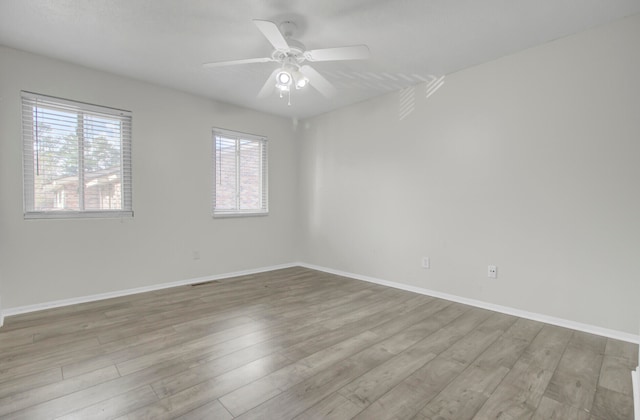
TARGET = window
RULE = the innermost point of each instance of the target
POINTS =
(240, 174)
(77, 159)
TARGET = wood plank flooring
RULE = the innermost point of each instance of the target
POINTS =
(302, 344)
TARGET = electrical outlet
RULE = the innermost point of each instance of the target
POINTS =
(493, 272)
(425, 262)
(196, 255)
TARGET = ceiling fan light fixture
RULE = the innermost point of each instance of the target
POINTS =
(300, 79)
(283, 78)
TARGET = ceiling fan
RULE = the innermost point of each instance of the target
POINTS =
(291, 55)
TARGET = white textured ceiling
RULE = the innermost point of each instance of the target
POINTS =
(166, 41)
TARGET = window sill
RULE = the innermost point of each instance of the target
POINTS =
(243, 214)
(78, 215)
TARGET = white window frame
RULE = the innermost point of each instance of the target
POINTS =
(264, 191)
(31, 100)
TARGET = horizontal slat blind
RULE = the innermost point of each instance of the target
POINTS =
(77, 159)
(240, 174)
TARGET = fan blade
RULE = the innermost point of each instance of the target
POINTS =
(272, 33)
(318, 81)
(354, 52)
(235, 62)
(269, 85)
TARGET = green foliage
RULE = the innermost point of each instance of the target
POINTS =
(57, 152)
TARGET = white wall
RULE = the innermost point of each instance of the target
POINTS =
(530, 162)
(48, 260)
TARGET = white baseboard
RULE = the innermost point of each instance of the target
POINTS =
(91, 298)
(635, 380)
(618, 335)
(592, 329)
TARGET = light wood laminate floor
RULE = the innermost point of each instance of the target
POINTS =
(298, 343)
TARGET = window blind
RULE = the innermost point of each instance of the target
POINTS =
(77, 159)
(240, 174)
